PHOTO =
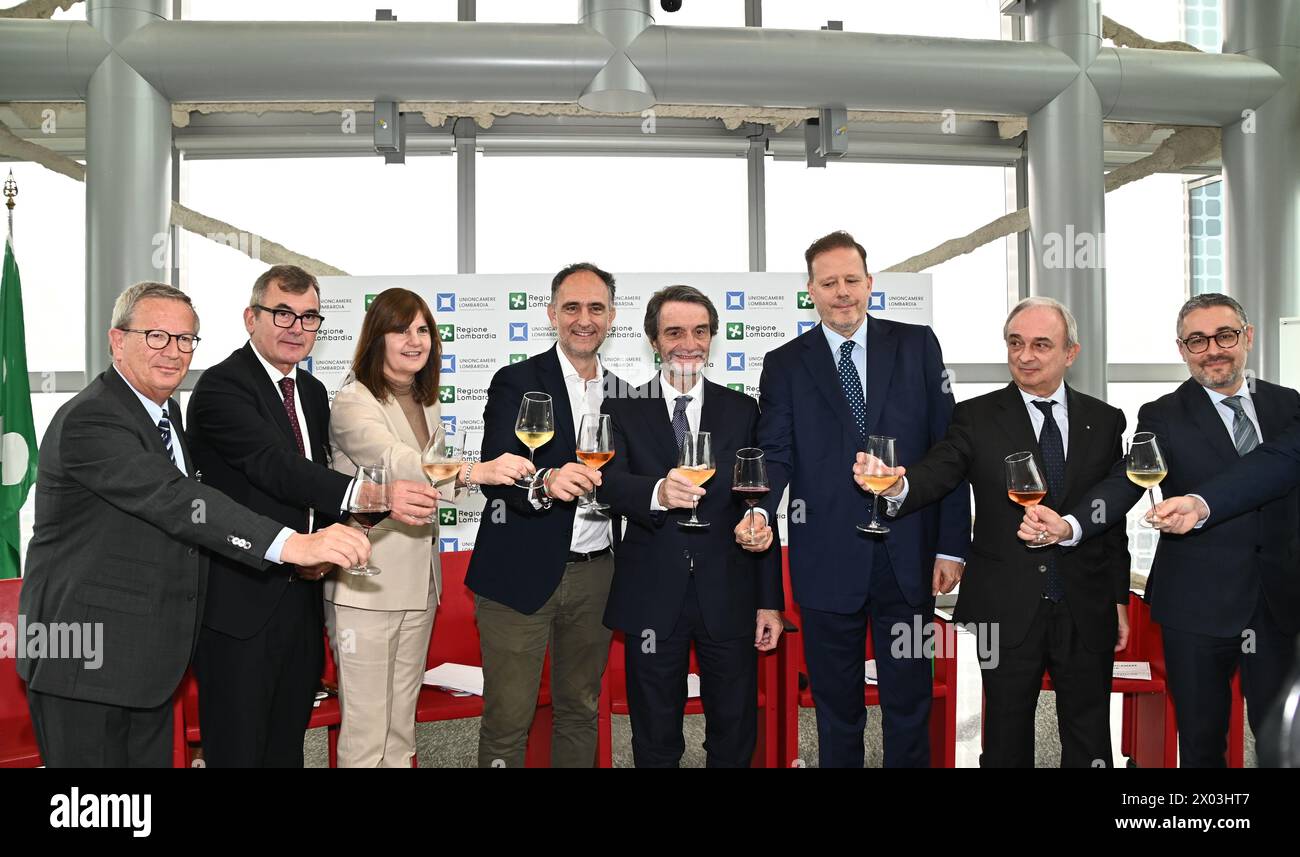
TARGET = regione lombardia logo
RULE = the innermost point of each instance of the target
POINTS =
(519, 300)
(518, 358)
(518, 331)
(805, 301)
(447, 395)
(447, 332)
(735, 300)
(735, 361)
(446, 302)
(369, 300)
(735, 330)
(447, 517)
(877, 301)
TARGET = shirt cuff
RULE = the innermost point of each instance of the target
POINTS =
(950, 558)
(1202, 521)
(759, 510)
(654, 499)
(347, 497)
(1076, 532)
(277, 546)
(892, 504)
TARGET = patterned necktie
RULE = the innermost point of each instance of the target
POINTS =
(1243, 430)
(286, 390)
(853, 388)
(165, 429)
(1052, 449)
(680, 427)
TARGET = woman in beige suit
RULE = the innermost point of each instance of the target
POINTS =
(380, 626)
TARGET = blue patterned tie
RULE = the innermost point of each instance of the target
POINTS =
(165, 429)
(1052, 450)
(680, 427)
(853, 388)
(1244, 436)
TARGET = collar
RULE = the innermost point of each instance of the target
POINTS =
(155, 410)
(1058, 397)
(859, 336)
(1243, 391)
(273, 373)
(568, 370)
(671, 393)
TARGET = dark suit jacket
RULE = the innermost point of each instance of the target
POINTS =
(243, 443)
(811, 442)
(653, 571)
(122, 538)
(1207, 581)
(1004, 579)
(520, 552)
(1269, 472)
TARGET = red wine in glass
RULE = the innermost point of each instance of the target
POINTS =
(752, 495)
(369, 519)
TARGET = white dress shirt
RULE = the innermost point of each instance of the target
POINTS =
(694, 408)
(591, 530)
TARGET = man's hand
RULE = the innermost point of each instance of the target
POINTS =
(571, 481)
(337, 544)
(767, 630)
(1042, 526)
(762, 537)
(870, 465)
(947, 574)
(314, 572)
(1122, 640)
(678, 492)
(1177, 515)
(413, 503)
(503, 470)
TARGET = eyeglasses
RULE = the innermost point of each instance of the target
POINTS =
(159, 339)
(1196, 343)
(311, 321)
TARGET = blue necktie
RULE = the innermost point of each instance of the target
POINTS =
(680, 427)
(853, 388)
(1244, 436)
(1052, 450)
(165, 429)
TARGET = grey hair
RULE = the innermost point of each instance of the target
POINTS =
(1071, 326)
(1210, 299)
(124, 307)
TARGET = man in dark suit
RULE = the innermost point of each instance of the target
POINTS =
(676, 586)
(260, 430)
(541, 567)
(1226, 595)
(822, 395)
(121, 547)
(1053, 609)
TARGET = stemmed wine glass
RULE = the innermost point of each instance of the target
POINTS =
(695, 461)
(749, 481)
(440, 459)
(1145, 467)
(369, 505)
(535, 426)
(1026, 486)
(595, 449)
(880, 452)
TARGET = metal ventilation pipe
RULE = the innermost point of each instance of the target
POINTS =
(619, 87)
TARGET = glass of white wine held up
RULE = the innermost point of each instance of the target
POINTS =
(1145, 467)
(535, 426)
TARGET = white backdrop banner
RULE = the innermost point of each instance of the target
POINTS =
(488, 320)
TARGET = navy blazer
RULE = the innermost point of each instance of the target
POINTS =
(1266, 474)
(654, 559)
(520, 552)
(1208, 581)
(811, 442)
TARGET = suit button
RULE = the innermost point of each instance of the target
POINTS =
(1042, 568)
(193, 551)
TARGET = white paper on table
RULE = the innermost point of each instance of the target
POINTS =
(692, 685)
(869, 670)
(1140, 670)
(457, 678)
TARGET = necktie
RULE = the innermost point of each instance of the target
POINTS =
(852, 384)
(1243, 430)
(1052, 450)
(165, 429)
(286, 390)
(680, 427)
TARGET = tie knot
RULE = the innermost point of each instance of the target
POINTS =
(163, 422)
(846, 349)
(286, 386)
(1044, 406)
(1234, 404)
(681, 403)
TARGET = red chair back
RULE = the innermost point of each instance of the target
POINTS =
(17, 738)
(455, 633)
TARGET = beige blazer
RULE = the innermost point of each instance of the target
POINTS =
(364, 430)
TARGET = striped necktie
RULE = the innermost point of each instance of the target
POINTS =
(165, 429)
(1244, 436)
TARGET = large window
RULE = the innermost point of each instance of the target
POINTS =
(357, 214)
(1206, 261)
(538, 214)
(896, 211)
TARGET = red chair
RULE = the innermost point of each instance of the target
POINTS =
(796, 692)
(17, 738)
(613, 700)
(455, 640)
(326, 714)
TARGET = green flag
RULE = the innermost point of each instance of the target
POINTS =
(17, 430)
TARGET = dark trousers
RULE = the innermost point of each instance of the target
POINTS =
(74, 733)
(835, 649)
(1199, 668)
(1081, 679)
(256, 695)
(656, 693)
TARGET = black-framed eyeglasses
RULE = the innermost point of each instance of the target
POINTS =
(311, 321)
(1196, 343)
(159, 339)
